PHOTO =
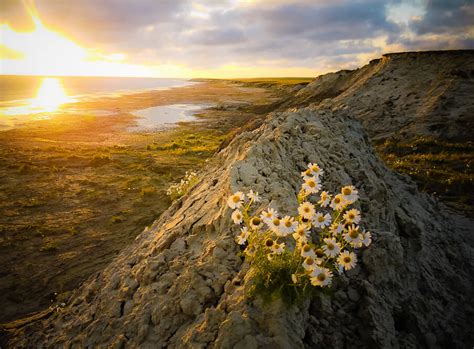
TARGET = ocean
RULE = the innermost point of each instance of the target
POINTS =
(28, 98)
(17, 88)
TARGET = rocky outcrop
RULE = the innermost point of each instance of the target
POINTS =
(182, 284)
(403, 94)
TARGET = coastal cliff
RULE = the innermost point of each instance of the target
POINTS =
(181, 284)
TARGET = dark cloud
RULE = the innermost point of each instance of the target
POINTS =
(217, 36)
(340, 21)
(445, 17)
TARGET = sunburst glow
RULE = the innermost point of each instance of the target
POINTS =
(46, 52)
(50, 96)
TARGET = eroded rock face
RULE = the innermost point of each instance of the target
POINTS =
(181, 285)
(406, 94)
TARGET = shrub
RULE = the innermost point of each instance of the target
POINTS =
(291, 255)
(177, 190)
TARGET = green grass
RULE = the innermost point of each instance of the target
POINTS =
(439, 167)
(289, 81)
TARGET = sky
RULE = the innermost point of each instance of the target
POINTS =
(221, 38)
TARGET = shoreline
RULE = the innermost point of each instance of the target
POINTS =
(81, 185)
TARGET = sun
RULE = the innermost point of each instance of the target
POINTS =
(49, 53)
(42, 47)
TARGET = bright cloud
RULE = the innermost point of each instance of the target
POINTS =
(227, 37)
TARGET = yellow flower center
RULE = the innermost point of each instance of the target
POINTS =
(306, 248)
(309, 261)
(347, 259)
(269, 243)
(321, 219)
(319, 252)
(354, 233)
(236, 198)
(306, 209)
(321, 277)
(307, 172)
(330, 246)
(337, 200)
(288, 224)
(351, 216)
(256, 221)
(312, 184)
(347, 191)
(276, 222)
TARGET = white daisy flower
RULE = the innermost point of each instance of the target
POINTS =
(350, 193)
(367, 238)
(306, 210)
(275, 225)
(311, 185)
(352, 216)
(331, 247)
(256, 223)
(353, 235)
(236, 200)
(307, 251)
(309, 263)
(324, 199)
(319, 256)
(270, 256)
(302, 233)
(336, 228)
(307, 174)
(254, 197)
(321, 277)
(347, 259)
(268, 215)
(321, 221)
(237, 216)
(269, 243)
(338, 203)
(243, 236)
(315, 170)
(288, 225)
(278, 248)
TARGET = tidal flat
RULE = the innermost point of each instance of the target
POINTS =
(78, 187)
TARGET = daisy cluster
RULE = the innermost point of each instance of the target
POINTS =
(177, 190)
(314, 244)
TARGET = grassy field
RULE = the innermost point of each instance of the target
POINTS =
(74, 190)
(275, 81)
(444, 169)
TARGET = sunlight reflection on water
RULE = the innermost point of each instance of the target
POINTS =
(50, 96)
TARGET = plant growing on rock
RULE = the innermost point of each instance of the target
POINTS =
(177, 190)
(291, 255)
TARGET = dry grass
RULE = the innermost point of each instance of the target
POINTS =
(442, 168)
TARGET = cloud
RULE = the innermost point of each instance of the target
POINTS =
(445, 17)
(210, 34)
